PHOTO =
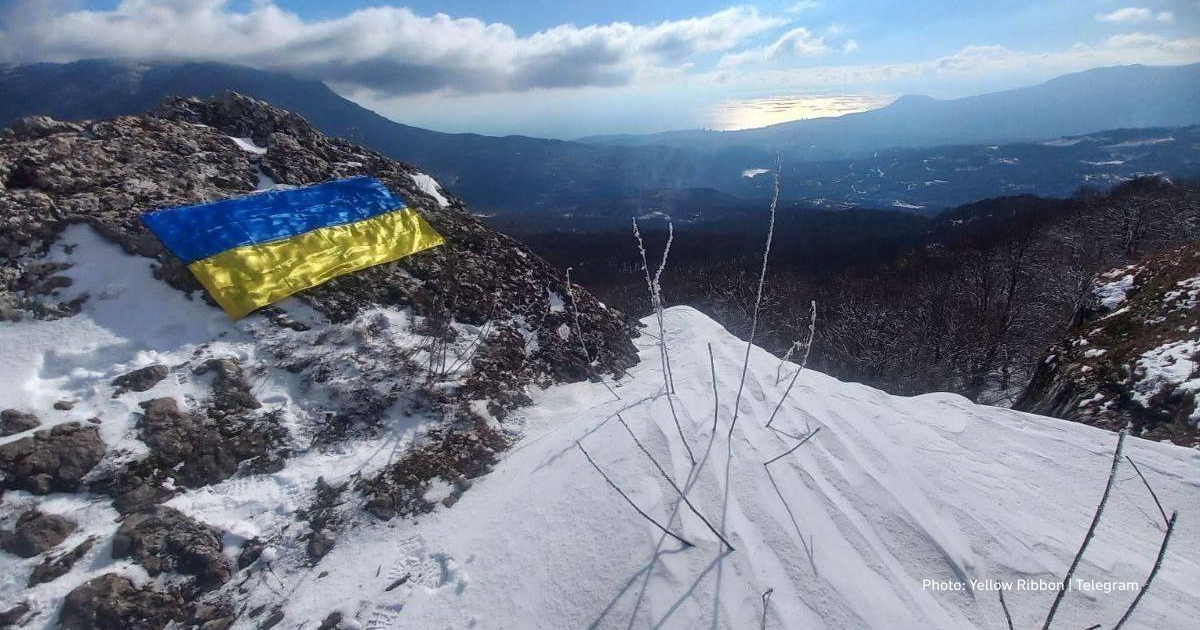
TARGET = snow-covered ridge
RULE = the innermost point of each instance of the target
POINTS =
(846, 531)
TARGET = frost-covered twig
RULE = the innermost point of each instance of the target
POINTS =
(793, 449)
(679, 428)
(1062, 590)
(762, 277)
(1004, 606)
(575, 316)
(630, 501)
(1162, 551)
(655, 289)
(1153, 494)
(812, 327)
(716, 397)
(664, 474)
(765, 596)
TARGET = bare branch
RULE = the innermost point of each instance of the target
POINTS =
(812, 326)
(630, 501)
(1004, 606)
(1152, 493)
(664, 474)
(765, 596)
(1112, 474)
(762, 278)
(793, 449)
(1162, 551)
(712, 364)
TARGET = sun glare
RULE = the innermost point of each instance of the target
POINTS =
(749, 114)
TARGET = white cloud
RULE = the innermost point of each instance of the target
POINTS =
(1127, 15)
(849, 46)
(796, 43)
(1165, 16)
(386, 49)
(802, 6)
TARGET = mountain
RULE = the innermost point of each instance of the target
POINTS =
(523, 182)
(1074, 104)
(1132, 358)
(506, 173)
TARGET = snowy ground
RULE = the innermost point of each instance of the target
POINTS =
(845, 532)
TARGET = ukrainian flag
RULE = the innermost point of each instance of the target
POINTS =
(254, 250)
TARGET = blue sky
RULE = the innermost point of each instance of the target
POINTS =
(567, 69)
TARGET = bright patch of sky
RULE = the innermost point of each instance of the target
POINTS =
(562, 68)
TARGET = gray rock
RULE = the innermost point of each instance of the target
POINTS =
(319, 544)
(53, 568)
(52, 460)
(12, 617)
(162, 539)
(112, 602)
(13, 422)
(34, 127)
(64, 405)
(36, 533)
(139, 380)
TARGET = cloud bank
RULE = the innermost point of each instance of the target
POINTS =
(390, 50)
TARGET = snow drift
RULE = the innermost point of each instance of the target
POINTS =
(868, 525)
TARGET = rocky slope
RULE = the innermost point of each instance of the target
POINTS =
(1133, 358)
(436, 349)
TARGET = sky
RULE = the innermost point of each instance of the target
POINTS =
(566, 69)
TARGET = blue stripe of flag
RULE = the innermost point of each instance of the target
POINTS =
(196, 232)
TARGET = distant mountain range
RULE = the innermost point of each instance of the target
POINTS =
(1074, 104)
(836, 160)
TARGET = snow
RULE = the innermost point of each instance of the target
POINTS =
(898, 203)
(248, 145)
(1171, 366)
(891, 492)
(1112, 287)
(430, 187)
(1140, 142)
(754, 172)
(891, 499)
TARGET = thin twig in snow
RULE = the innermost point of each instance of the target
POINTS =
(666, 352)
(812, 327)
(1004, 606)
(762, 278)
(1112, 474)
(712, 364)
(791, 450)
(765, 596)
(630, 501)
(664, 474)
(1152, 493)
(1162, 551)
(579, 332)
(679, 428)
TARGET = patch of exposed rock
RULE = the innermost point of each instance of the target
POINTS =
(162, 539)
(190, 450)
(1132, 360)
(55, 567)
(36, 533)
(13, 421)
(112, 602)
(52, 460)
(139, 380)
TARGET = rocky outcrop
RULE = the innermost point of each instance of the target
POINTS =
(162, 539)
(13, 421)
(139, 380)
(112, 602)
(36, 533)
(55, 567)
(1132, 360)
(53, 460)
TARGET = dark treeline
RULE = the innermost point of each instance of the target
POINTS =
(965, 302)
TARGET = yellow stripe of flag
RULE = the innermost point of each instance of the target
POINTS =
(245, 278)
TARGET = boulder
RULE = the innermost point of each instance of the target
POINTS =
(36, 533)
(139, 380)
(13, 422)
(112, 602)
(52, 460)
(162, 539)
